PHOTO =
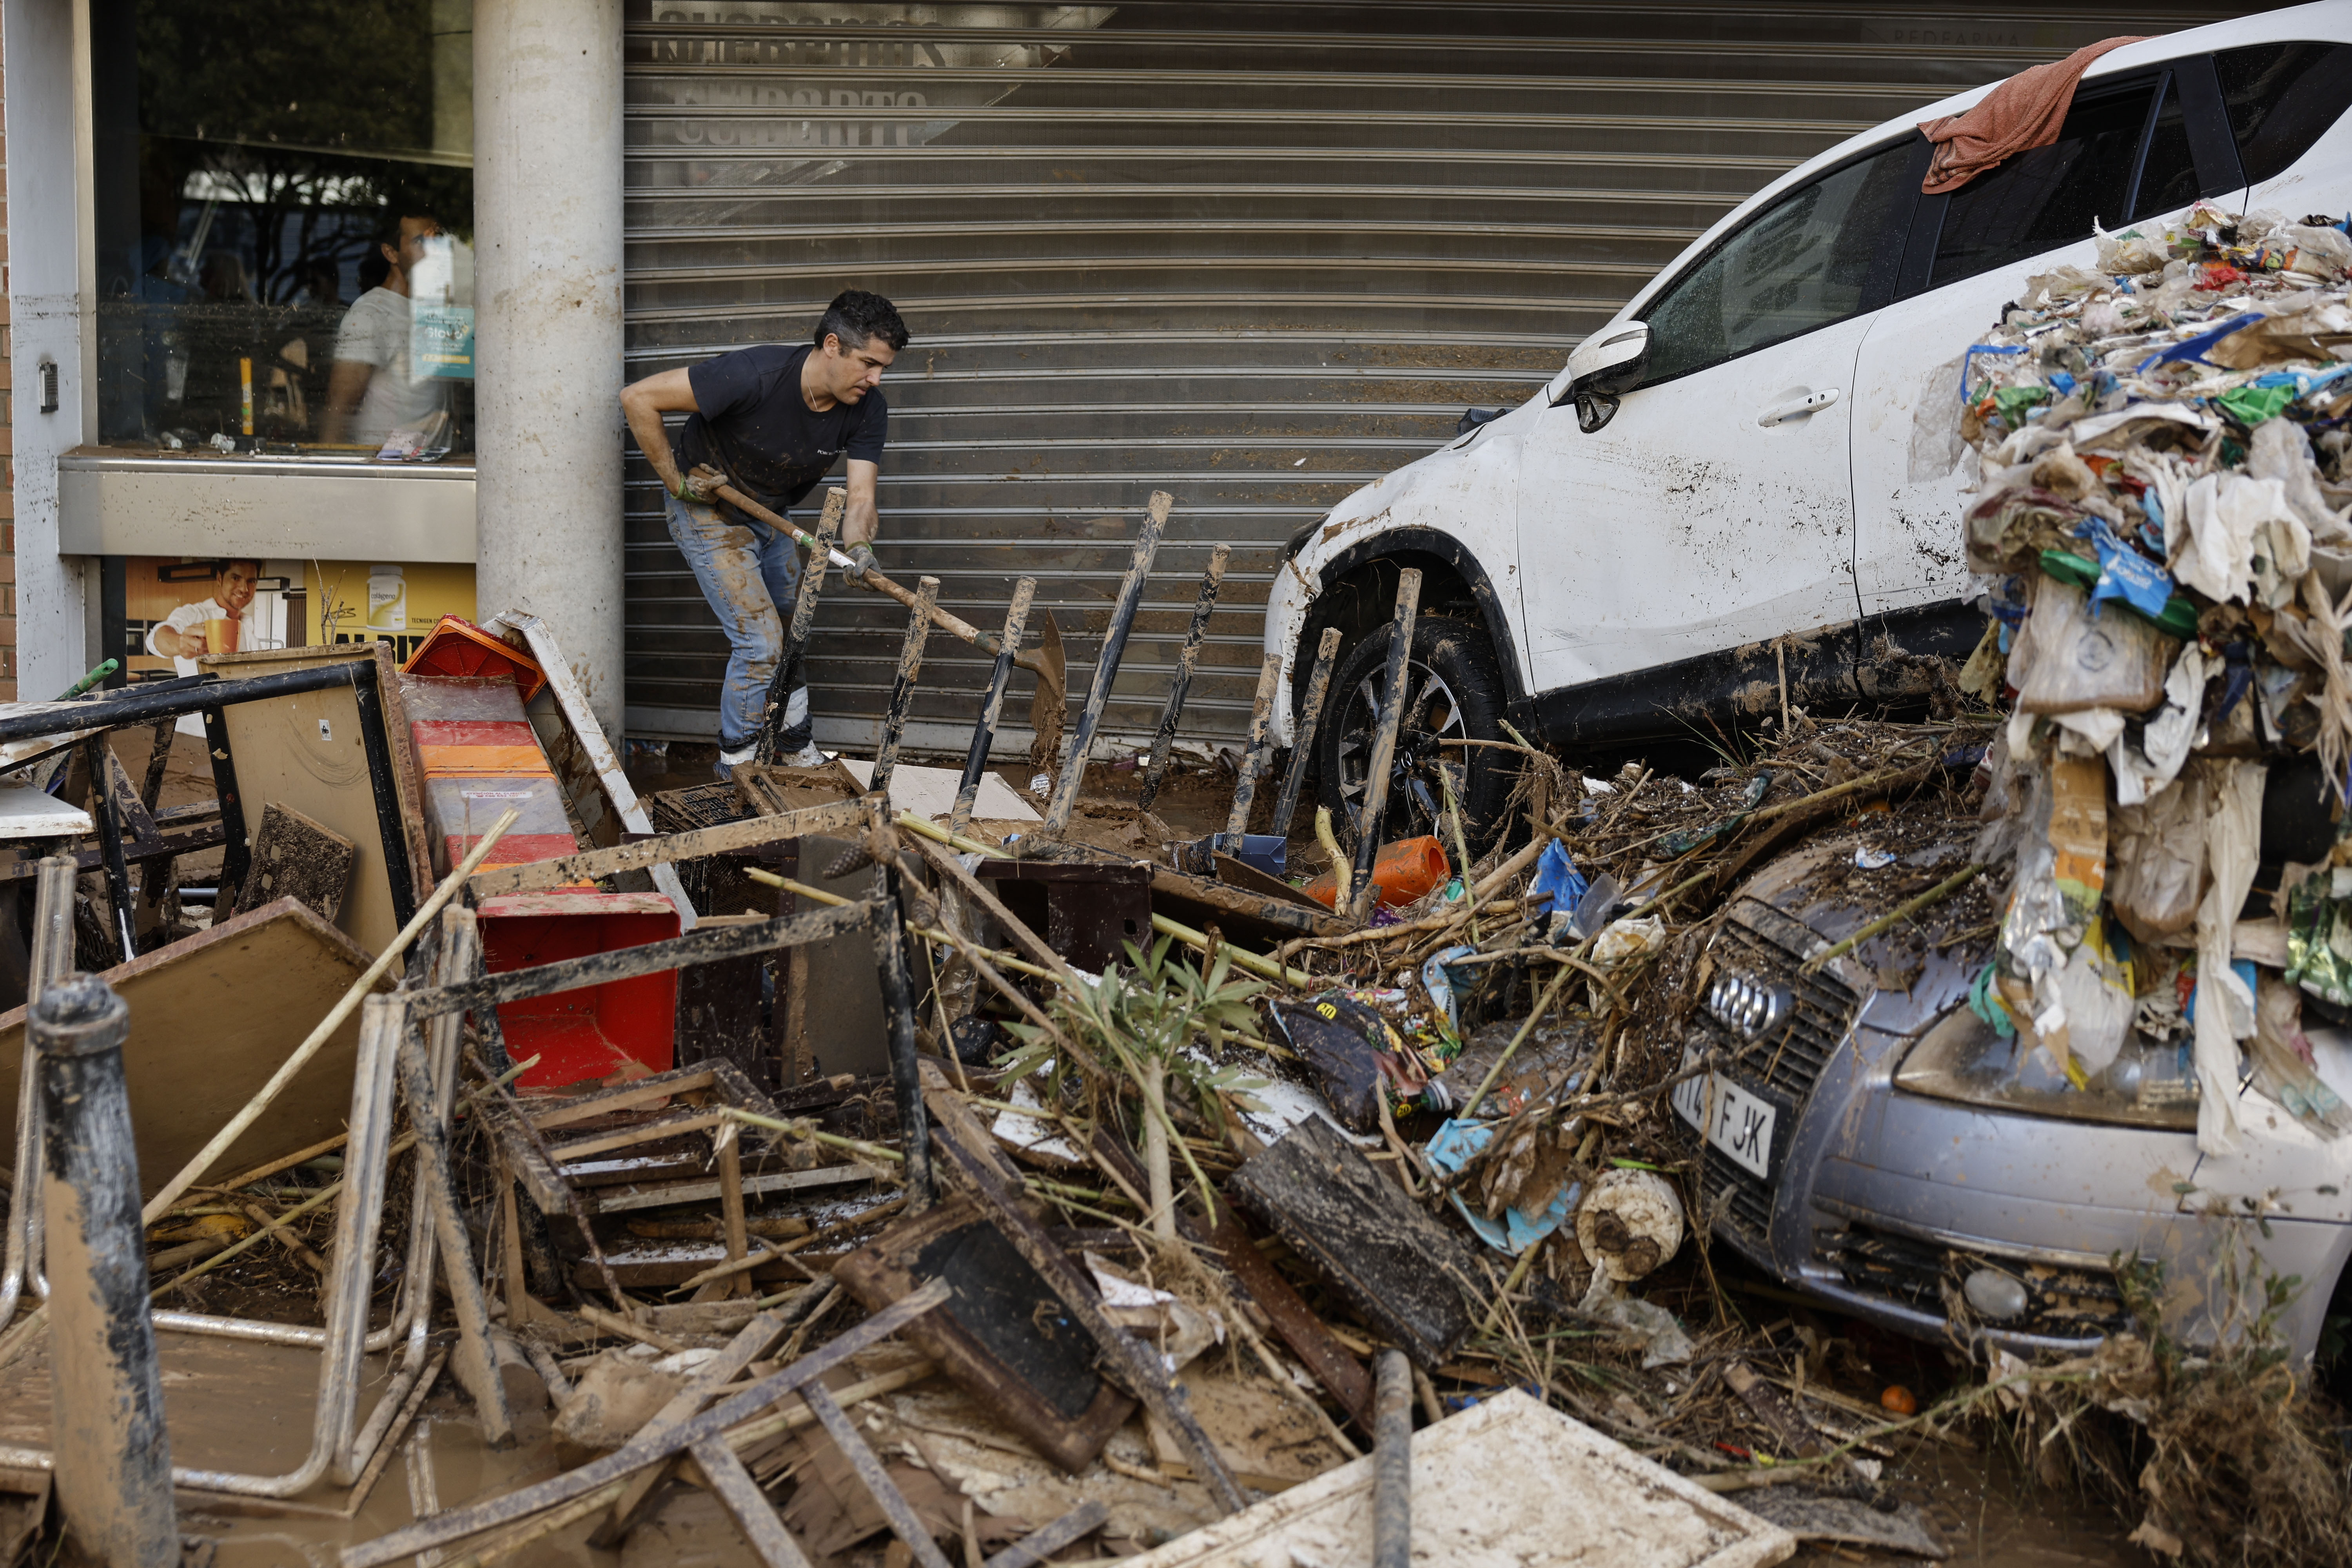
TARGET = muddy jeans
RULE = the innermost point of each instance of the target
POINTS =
(752, 576)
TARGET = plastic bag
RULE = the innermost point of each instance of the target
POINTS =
(1352, 1052)
(2128, 254)
(2067, 662)
(1557, 886)
(2155, 853)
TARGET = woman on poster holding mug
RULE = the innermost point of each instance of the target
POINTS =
(221, 624)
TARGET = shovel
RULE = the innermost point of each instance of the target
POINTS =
(1048, 669)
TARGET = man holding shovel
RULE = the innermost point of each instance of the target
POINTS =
(770, 422)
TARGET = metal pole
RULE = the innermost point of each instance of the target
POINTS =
(391, 825)
(110, 845)
(237, 855)
(1392, 1463)
(53, 956)
(777, 718)
(983, 735)
(898, 1014)
(1165, 739)
(1114, 648)
(1254, 754)
(902, 688)
(1302, 733)
(1384, 742)
(113, 1458)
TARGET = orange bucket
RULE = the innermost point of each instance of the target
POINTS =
(1402, 871)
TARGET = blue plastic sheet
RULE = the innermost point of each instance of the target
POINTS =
(2124, 573)
(1455, 1145)
(1558, 885)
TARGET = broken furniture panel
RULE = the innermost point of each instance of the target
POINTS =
(618, 1029)
(322, 752)
(722, 1014)
(1506, 1483)
(212, 1018)
(1004, 1337)
(1403, 1270)
(295, 858)
(1087, 910)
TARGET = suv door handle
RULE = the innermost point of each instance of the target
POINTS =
(1811, 402)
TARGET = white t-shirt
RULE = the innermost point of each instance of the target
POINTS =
(191, 617)
(375, 333)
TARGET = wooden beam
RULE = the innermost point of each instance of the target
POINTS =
(727, 837)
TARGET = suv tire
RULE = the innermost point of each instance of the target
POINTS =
(1454, 692)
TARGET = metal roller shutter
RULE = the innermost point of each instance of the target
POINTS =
(1254, 255)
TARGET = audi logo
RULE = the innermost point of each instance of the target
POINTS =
(1747, 1007)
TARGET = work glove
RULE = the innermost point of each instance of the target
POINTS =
(861, 561)
(702, 485)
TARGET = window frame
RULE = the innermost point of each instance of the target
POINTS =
(1878, 284)
(2212, 148)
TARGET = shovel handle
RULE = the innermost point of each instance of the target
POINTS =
(986, 642)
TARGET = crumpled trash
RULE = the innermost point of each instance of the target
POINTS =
(1353, 1053)
(1458, 1144)
(1664, 1343)
(1869, 857)
(1628, 938)
(1179, 1330)
(1550, 1059)
(1558, 885)
(1446, 984)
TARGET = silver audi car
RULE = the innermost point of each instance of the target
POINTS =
(1873, 1143)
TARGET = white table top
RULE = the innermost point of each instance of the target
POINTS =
(30, 812)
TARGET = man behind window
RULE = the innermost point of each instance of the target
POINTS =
(771, 421)
(370, 393)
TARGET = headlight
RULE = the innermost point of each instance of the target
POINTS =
(2148, 1085)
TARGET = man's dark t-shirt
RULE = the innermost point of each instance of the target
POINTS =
(754, 424)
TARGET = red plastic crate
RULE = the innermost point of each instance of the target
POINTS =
(599, 1034)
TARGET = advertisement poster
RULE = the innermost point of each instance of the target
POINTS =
(376, 600)
(173, 609)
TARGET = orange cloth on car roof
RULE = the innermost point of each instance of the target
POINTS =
(2024, 112)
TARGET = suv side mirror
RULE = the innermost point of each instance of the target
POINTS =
(1603, 369)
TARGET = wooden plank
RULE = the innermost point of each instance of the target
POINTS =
(581, 1108)
(1405, 1272)
(685, 1122)
(1243, 877)
(648, 958)
(905, 1522)
(1031, 944)
(457, 1524)
(1198, 901)
(295, 858)
(1005, 1339)
(579, 720)
(1288, 1310)
(972, 1155)
(1044, 1541)
(750, 1343)
(740, 1496)
(212, 1018)
(726, 837)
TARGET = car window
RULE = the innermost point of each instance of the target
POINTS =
(2168, 174)
(2282, 97)
(2048, 197)
(1813, 257)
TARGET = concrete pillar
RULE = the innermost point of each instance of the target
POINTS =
(547, 296)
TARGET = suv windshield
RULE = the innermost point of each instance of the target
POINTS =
(1808, 260)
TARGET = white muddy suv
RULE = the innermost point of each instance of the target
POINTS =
(1757, 465)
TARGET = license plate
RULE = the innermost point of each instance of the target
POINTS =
(1734, 1121)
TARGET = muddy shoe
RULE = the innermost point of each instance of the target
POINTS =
(808, 756)
(724, 768)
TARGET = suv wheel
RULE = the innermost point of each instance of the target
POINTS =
(1453, 690)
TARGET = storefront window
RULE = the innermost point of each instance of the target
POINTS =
(285, 202)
